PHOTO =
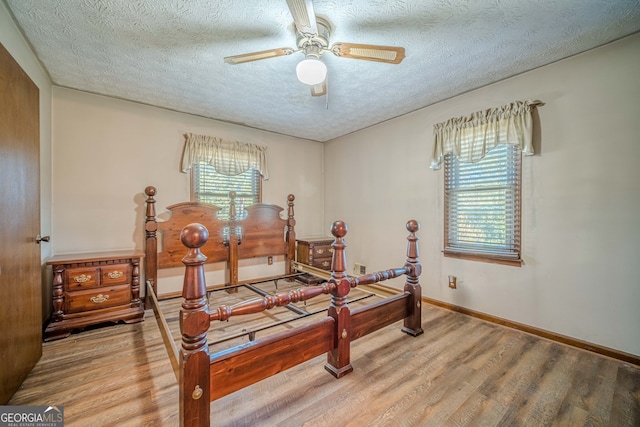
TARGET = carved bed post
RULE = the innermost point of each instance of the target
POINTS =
(290, 236)
(194, 323)
(232, 262)
(150, 244)
(339, 358)
(413, 322)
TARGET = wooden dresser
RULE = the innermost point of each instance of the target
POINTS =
(94, 288)
(315, 251)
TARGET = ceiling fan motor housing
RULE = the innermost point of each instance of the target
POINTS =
(315, 44)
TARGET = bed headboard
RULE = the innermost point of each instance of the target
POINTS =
(262, 233)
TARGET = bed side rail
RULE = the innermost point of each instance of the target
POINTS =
(165, 331)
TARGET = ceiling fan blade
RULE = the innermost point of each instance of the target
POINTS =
(320, 89)
(303, 16)
(255, 56)
(369, 52)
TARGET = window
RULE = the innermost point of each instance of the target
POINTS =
(482, 206)
(482, 153)
(209, 186)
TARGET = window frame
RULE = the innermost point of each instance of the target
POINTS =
(453, 250)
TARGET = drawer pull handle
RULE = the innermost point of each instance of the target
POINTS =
(82, 278)
(326, 263)
(319, 251)
(115, 274)
(99, 299)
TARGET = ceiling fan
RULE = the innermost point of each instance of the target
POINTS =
(312, 39)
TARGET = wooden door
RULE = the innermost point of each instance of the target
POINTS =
(20, 266)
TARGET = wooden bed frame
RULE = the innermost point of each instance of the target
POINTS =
(205, 377)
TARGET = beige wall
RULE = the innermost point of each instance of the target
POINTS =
(581, 198)
(106, 151)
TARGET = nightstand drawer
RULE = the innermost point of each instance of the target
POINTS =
(94, 299)
(82, 278)
(321, 251)
(324, 263)
(116, 274)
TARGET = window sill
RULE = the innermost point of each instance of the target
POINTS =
(483, 258)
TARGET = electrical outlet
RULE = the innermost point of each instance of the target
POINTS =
(453, 282)
(359, 269)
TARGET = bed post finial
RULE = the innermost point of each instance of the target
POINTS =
(339, 357)
(194, 323)
(150, 244)
(339, 260)
(413, 322)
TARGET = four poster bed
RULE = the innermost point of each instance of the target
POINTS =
(194, 235)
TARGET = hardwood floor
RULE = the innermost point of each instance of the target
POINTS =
(462, 372)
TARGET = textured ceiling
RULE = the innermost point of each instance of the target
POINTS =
(169, 53)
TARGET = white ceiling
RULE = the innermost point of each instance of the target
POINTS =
(169, 53)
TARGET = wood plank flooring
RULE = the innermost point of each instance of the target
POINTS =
(461, 372)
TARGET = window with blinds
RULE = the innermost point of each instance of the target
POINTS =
(482, 206)
(209, 186)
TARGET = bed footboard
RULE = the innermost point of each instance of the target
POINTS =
(204, 378)
(232, 371)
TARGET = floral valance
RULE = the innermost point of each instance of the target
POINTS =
(227, 157)
(471, 137)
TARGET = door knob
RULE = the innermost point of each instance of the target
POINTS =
(40, 238)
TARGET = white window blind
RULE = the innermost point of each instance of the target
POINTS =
(209, 186)
(482, 204)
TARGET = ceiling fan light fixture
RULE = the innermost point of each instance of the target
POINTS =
(312, 40)
(311, 71)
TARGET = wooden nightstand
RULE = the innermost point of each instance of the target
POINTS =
(315, 251)
(94, 288)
